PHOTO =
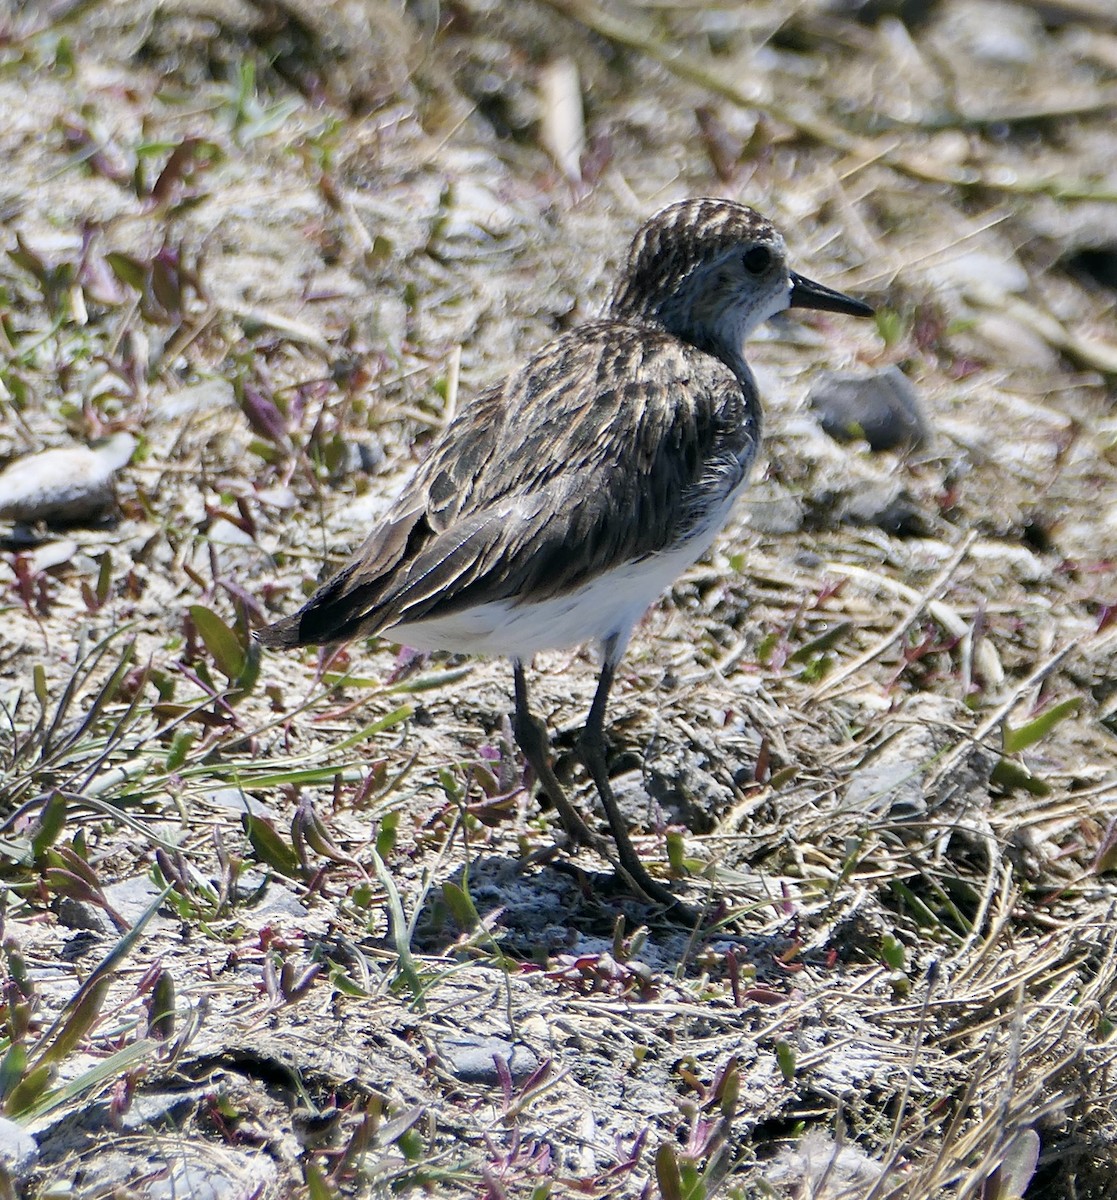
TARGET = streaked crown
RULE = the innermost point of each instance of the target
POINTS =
(709, 270)
(682, 237)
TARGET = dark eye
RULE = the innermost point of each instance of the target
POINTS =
(757, 259)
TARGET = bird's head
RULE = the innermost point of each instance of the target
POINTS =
(710, 271)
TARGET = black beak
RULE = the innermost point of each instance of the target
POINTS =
(805, 293)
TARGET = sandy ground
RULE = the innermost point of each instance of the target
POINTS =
(871, 736)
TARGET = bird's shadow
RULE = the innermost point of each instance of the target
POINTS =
(532, 910)
(551, 912)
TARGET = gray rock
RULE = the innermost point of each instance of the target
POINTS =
(893, 787)
(634, 798)
(207, 396)
(18, 1149)
(133, 897)
(240, 802)
(83, 943)
(157, 1108)
(883, 408)
(279, 901)
(775, 515)
(887, 506)
(223, 1177)
(365, 457)
(64, 485)
(676, 788)
(86, 918)
(129, 899)
(469, 1057)
(274, 899)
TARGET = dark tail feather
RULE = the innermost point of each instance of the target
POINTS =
(335, 613)
(282, 635)
(343, 608)
(309, 627)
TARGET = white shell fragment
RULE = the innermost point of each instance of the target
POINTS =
(70, 483)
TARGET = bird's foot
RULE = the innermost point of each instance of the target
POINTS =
(531, 736)
(627, 863)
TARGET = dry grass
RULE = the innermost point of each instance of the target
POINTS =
(252, 909)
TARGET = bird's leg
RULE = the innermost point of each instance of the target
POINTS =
(591, 750)
(531, 736)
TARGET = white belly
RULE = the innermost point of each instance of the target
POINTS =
(606, 607)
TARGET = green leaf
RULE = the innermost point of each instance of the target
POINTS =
(399, 930)
(86, 1010)
(892, 326)
(13, 1067)
(786, 1059)
(76, 859)
(450, 784)
(395, 717)
(127, 269)
(387, 834)
(892, 951)
(308, 829)
(343, 983)
(180, 749)
(104, 577)
(67, 883)
(694, 1188)
(161, 1009)
(1014, 776)
(17, 971)
(401, 1131)
(246, 680)
(825, 641)
(922, 914)
(411, 1145)
(427, 683)
(269, 846)
(345, 680)
(317, 1187)
(131, 1058)
(1039, 727)
(52, 820)
(766, 648)
(676, 854)
(29, 1090)
(782, 776)
(222, 643)
(730, 1091)
(667, 1173)
(461, 906)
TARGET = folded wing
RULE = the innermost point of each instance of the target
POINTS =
(544, 482)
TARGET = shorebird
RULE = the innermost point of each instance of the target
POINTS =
(558, 505)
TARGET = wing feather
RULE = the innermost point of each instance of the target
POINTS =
(605, 448)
